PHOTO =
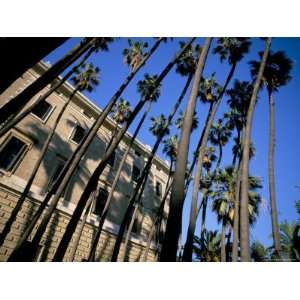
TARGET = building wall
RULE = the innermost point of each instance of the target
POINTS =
(34, 132)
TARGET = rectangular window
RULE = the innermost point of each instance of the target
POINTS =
(100, 201)
(59, 167)
(135, 173)
(112, 158)
(136, 222)
(42, 110)
(77, 134)
(158, 191)
(11, 153)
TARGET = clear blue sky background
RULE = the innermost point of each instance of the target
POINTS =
(113, 72)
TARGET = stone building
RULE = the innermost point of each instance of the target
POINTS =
(20, 148)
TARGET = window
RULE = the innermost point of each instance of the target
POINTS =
(111, 160)
(136, 153)
(136, 223)
(59, 167)
(135, 173)
(42, 110)
(100, 201)
(11, 153)
(158, 189)
(77, 134)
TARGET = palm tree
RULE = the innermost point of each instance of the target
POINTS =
(16, 104)
(208, 248)
(85, 79)
(244, 238)
(92, 183)
(173, 228)
(219, 136)
(10, 47)
(233, 49)
(290, 241)
(223, 200)
(276, 74)
(134, 54)
(71, 165)
(96, 45)
(258, 252)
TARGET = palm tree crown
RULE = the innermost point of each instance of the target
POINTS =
(232, 49)
(147, 88)
(134, 54)
(209, 89)
(170, 147)
(186, 65)
(277, 70)
(121, 111)
(159, 126)
(86, 78)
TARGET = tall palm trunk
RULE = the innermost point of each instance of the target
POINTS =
(220, 156)
(145, 173)
(223, 248)
(244, 217)
(70, 167)
(91, 256)
(203, 217)
(173, 229)
(80, 229)
(92, 183)
(188, 248)
(27, 188)
(133, 218)
(19, 117)
(228, 244)
(14, 106)
(274, 218)
(156, 222)
(236, 217)
(10, 48)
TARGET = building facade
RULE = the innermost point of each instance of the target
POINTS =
(20, 149)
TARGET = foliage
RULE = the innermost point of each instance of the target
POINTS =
(208, 249)
(86, 78)
(159, 126)
(134, 54)
(209, 90)
(277, 70)
(179, 121)
(147, 88)
(121, 111)
(232, 48)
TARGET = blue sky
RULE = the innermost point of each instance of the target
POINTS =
(113, 72)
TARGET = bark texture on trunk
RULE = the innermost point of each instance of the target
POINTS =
(244, 216)
(223, 246)
(173, 229)
(272, 191)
